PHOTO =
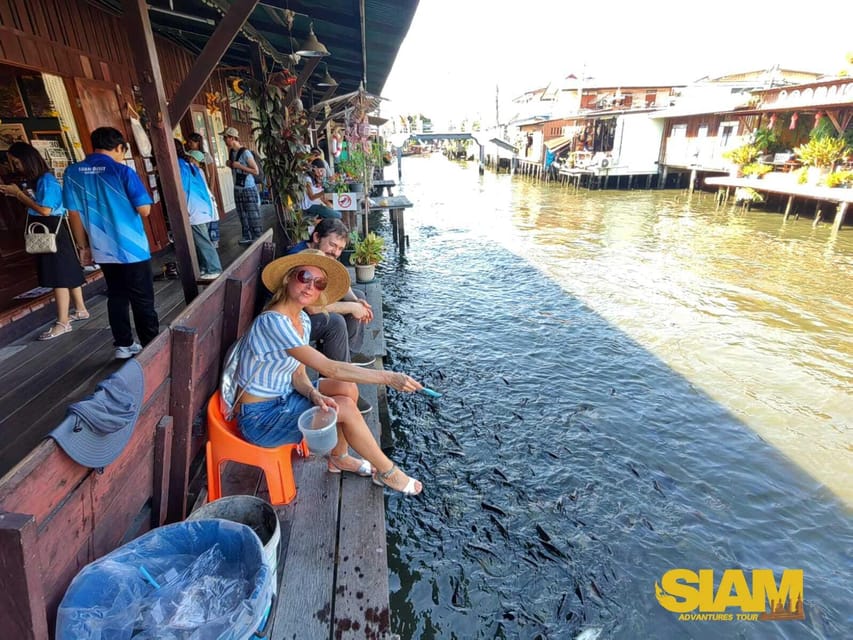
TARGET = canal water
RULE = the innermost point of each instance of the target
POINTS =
(634, 382)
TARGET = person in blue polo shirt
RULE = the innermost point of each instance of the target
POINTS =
(200, 210)
(111, 202)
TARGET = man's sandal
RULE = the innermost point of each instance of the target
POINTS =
(56, 330)
(364, 469)
(381, 480)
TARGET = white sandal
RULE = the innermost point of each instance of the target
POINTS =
(380, 480)
(365, 469)
(58, 329)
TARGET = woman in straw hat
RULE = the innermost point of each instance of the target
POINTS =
(275, 385)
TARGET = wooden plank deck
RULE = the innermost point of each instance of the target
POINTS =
(333, 567)
(38, 380)
(840, 197)
(396, 206)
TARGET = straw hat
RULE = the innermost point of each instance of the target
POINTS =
(336, 273)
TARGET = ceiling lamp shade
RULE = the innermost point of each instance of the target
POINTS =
(327, 80)
(311, 47)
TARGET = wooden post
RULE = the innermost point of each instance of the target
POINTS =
(22, 605)
(222, 37)
(839, 216)
(184, 347)
(788, 208)
(817, 216)
(141, 41)
(231, 313)
(482, 169)
(162, 463)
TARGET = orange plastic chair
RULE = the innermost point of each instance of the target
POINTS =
(226, 444)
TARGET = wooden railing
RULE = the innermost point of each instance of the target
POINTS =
(57, 516)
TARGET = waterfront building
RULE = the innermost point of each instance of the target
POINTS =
(153, 73)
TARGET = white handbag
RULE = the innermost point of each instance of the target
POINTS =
(39, 239)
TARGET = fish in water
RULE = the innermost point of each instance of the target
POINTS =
(493, 508)
(589, 634)
(501, 528)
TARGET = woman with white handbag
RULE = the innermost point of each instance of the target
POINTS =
(59, 270)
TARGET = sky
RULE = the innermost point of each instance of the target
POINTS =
(458, 51)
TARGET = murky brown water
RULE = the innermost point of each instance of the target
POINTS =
(633, 382)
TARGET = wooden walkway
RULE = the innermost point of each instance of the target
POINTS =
(38, 380)
(839, 197)
(396, 206)
(333, 566)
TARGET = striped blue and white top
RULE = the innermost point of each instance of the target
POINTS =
(265, 368)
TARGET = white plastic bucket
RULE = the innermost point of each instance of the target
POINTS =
(253, 512)
(319, 428)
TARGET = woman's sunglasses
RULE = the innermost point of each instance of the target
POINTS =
(304, 276)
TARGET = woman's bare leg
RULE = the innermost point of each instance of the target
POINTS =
(62, 299)
(77, 299)
(354, 432)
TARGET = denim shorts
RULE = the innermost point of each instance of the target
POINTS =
(273, 422)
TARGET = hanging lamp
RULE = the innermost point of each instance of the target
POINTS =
(327, 80)
(311, 47)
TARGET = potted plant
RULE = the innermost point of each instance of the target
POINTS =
(346, 254)
(366, 255)
(839, 179)
(821, 154)
(355, 167)
(756, 169)
(280, 132)
(742, 155)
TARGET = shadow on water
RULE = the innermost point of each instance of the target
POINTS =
(567, 468)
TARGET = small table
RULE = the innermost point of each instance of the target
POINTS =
(396, 206)
(384, 186)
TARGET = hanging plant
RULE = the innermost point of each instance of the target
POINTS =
(280, 134)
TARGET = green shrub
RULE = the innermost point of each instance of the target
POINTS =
(756, 169)
(745, 154)
(839, 179)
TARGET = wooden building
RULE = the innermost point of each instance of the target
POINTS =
(66, 68)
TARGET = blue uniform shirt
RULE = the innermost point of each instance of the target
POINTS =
(199, 206)
(106, 194)
(48, 194)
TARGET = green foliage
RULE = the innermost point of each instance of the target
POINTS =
(743, 155)
(767, 140)
(352, 238)
(355, 165)
(821, 152)
(368, 250)
(839, 179)
(756, 169)
(280, 136)
(823, 129)
(746, 194)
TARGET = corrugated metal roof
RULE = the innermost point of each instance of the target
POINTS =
(337, 24)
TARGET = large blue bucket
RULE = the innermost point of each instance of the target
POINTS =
(199, 579)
